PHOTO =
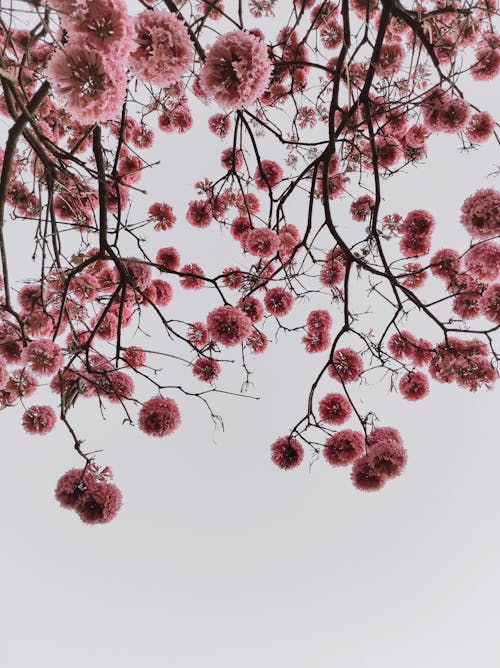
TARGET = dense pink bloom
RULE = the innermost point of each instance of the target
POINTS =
(332, 273)
(252, 307)
(346, 365)
(100, 503)
(159, 292)
(239, 227)
(134, 357)
(334, 408)
(445, 263)
(92, 86)
(261, 242)
(162, 215)
(206, 369)
(454, 115)
(490, 303)
(268, 175)
(418, 222)
(198, 335)
(414, 385)
(228, 325)
(415, 245)
(365, 477)
(257, 341)
(233, 278)
(480, 127)
(278, 301)
(481, 213)
(401, 344)
(199, 213)
(4, 374)
(220, 124)
(193, 276)
(39, 419)
(159, 417)
(416, 136)
(71, 486)
(237, 70)
(431, 106)
(387, 457)
(463, 362)
(231, 160)
(416, 277)
(102, 25)
(287, 452)
(344, 447)
(318, 320)
(164, 51)
(362, 208)
(384, 435)
(317, 341)
(168, 258)
(390, 59)
(44, 356)
(487, 65)
(483, 261)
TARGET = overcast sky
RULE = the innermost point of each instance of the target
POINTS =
(218, 558)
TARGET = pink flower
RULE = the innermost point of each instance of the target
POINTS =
(384, 435)
(416, 275)
(401, 344)
(168, 258)
(414, 385)
(199, 213)
(287, 452)
(490, 303)
(261, 242)
(278, 301)
(390, 59)
(483, 261)
(159, 292)
(362, 208)
(317, 341)
(415, 245)
(198, 335)
(487, 65)
(418, 222)
(193, 278)
(454, 115)
(162, 215)
(206, 369)
(252, 307)
(134, 357)
(318, 320)
(480, 127)
(481, 213)
(365, 477)
(164, 51)
(71, 486)
(228, 325)
(159, 417)
(346, 365)
(334, 409)
(39, 419)
(44, 356)
(220, 125)
(445, 263)
(100, 503)
(387, 457)
(92, 87)
(4, 374)
(257, 341)
(268, 175)
(344, 447)
(237, 70)
(232, 277)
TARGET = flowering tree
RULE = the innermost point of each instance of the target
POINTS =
(316, 114)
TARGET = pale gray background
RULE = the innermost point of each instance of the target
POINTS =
(218, 558)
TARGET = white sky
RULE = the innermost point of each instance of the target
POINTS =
(220, 559)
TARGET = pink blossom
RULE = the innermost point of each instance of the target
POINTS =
(481, 213)
(390, 59)
(262, 242)
(319, 320)
(240, 226)
(233, 278)
(220, 125)
(164, 51)
(231, 160)
(159, 292)
(480, 127)
(199, 213)
(168, 258)
(252, 307)
(362, 208)
(39, 419)
(237, 70)
(317, 341)
(278, 301)
(257, 341)
(162, 216)
(483, 261)
(287, 452)
(193, 276)
(4, 374)
(384, 435)
(414, 385)
(415, 245)
(92, 86)
(206, 369)
(445, 263)
(228, 325)
(159, 417)
(418, 222)
(100, 503)
(268, 175)
(334, 409)
(198, 335)
(487, 65)
(71, 486)
(44, 356)
(454, 115)
(416, 275)
(344, 447)
(401, 344)
(134, 356)
(365, 477)
(490, 303)
(346, 365)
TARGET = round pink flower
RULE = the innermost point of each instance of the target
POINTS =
(268, 175)
(39, 419)
(365, 477)
(387, 458)
(334, 409)
(318, 320)
(487, 65)
(233, 278)
(414, 385)
(159, 417)
(206, 369)
(194, 281)
(418, 222)
(390, 59)
(286, 452)
(346, 365)
(401, 344)
(162, 216)
(134, 356)
(71, 486)
(454, 115)
(483, 261)
(415, 245)
(344, 447)
(261, 242)
(220, 125)
(198, 335)
(237, 70)
(99, 504)
(362, 208)
(164, 51)
(168, 258)
(416, 275)
(490, 303)
(257, 341)
(92, 86)
(384, 435)
(481, 213)
(480, 127)
(159, 292)
(445, 263)
(278, 301)
(228, 325)
(199, 213)
(44, 356)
